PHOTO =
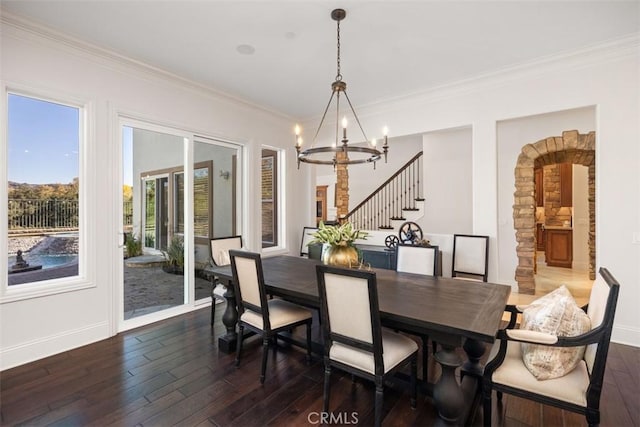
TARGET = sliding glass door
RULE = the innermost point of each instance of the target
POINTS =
(178, 192)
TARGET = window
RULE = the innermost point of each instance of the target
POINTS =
(269, 198)
(201, 197)
(43, 204)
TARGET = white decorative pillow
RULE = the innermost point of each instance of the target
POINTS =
(558, 314)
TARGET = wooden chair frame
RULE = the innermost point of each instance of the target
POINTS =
(267, 332)
(375, 347)
(600, 335)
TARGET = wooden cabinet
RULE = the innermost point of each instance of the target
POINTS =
(566, 184)
(539, 180)
(559, 247)
(540, 237)
(378, 256)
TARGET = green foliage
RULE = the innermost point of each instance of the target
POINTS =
(343, 235)
(175, 252)
(133, 245)
(150, 240)
(23, 191)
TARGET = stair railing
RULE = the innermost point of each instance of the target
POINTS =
(390, 200)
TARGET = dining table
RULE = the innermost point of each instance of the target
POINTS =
(455, 313)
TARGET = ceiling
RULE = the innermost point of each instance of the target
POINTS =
(282, 54)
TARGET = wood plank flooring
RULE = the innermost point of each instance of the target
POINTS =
(171, 373)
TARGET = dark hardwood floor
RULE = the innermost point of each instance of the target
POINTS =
(171, 373)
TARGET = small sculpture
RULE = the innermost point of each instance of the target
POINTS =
(20, 262)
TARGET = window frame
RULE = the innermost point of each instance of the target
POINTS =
(279, 212)
(86, 230)
(172, 173)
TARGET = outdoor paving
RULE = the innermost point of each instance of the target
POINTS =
(146, 289)
(149, 289)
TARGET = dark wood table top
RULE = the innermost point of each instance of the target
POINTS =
(449, 310)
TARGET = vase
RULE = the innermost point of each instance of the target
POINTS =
(341, 256)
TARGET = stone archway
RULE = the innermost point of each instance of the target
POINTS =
(571, 147)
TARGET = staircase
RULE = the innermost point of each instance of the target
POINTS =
(397, 200)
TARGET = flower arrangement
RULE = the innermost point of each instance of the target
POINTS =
(337, 235)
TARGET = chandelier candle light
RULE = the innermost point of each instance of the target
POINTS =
(362, 154)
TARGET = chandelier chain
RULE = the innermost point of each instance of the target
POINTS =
(338, 75)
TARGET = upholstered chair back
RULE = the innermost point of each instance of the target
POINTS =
(417, 259)
(470, 256)
(249, 284)
(220, 247)
(348, 306)
(599, 302)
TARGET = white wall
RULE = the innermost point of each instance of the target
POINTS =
(33, 328)
(447, 182)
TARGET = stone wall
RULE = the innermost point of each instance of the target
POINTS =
(342, 186)
(554, 215)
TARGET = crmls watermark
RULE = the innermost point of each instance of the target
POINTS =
(326, 418)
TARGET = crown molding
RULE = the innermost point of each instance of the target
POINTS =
(601, 53)
(18, 27)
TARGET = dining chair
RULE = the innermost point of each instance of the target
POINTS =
(306, 238)
(219, 252)
(470, 257)
(258, 314)
(419, 260)
(354, 341)
(579, 390)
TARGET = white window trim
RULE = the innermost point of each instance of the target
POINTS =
(281, 247)
(86, 227)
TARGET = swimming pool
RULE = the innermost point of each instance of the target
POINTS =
(46, 261)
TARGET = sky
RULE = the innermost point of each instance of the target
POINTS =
(43, 141)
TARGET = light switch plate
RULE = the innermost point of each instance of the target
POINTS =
(636, 238)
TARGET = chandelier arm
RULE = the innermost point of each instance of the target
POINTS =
(322, 120)
(337, 118)
(356, 116)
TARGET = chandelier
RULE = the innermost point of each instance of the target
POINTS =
(359, 154)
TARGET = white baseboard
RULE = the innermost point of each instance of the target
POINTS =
(20, 354)
(627, 335)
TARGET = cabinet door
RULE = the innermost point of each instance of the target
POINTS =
(566, 184)
(559, 248)
(539, 179)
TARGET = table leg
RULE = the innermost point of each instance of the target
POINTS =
(447, 394)
(475, 350)
(227, 343)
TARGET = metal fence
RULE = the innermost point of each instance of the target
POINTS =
(35, 214)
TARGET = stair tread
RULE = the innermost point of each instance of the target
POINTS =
(410, 209)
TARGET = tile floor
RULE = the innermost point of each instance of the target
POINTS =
(549, 278)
